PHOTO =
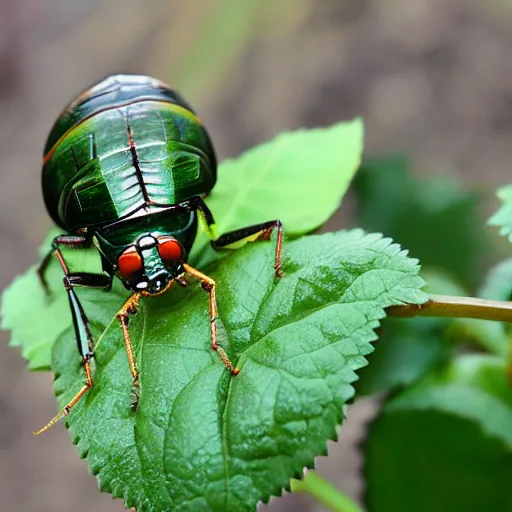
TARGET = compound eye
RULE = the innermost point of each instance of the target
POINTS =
(129, 263)
(170, 249)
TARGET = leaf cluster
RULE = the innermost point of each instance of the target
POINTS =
(442, 438)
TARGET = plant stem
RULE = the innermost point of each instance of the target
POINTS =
(324, 492)
(451, 306)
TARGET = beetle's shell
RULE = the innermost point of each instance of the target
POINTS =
(127, 143)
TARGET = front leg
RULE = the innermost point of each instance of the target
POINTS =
(130, 308)
(208, 285)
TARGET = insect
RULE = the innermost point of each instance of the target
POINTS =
(126, 168)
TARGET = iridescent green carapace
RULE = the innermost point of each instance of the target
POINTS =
(126, 167)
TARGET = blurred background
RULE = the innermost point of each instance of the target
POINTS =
(431, 79)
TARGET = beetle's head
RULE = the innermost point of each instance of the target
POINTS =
(151, 263)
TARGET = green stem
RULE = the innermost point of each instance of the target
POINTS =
(447, 305)
(324, 492)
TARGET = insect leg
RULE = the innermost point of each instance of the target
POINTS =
(238, 237)
(208, 285)
(81, 325)
(234, 239)
(130, 308)
(71, 241)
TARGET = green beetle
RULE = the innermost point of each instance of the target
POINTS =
(126, 168)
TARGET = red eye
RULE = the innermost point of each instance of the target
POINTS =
(129, 263)
(169, 249)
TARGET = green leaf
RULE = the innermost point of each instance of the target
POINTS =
(298, 177)
(49, 315)
(498, 283)
(201, 439)
(487, 335)
(408, 349)
(444, 444)
(503, 217)
(435, 219)
(490, 336)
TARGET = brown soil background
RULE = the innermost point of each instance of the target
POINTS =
(431, 78)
